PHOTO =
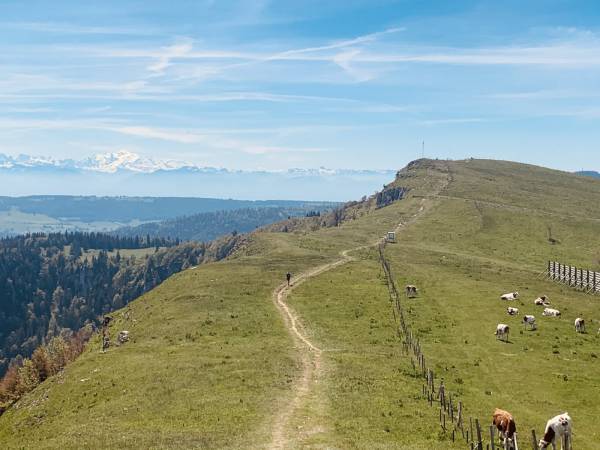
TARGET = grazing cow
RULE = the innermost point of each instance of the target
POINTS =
(123, 336)
(503, 420)
(580, 325)
(556, 428)
(551, 312)
(512, 311)
(502, 331)
(543, 300)
(529, 320)
(411, 291)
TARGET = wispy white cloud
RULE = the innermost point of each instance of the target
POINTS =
(372, 37)
(214, 140)
(167, 54)
(210, 140)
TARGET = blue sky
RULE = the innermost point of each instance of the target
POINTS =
(276, 84)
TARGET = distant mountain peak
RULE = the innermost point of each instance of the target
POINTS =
(127, 161)
(109, 162)
(124, 160)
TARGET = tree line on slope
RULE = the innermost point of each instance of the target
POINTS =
(126, 209)
(48, 291)
(211, 225)
(47, 360)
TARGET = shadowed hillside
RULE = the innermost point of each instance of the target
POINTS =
(212, 361)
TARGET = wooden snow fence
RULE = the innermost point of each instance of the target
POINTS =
(576, 277)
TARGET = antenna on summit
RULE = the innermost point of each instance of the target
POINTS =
(423, 149)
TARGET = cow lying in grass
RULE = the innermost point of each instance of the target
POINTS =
(510, 296)
(551, 312)
(556, 428)
(580, 325)
(512, 311)
(503, 420)
(542, 300)
(502, 331)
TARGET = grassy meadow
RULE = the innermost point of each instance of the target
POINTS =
(211, 364)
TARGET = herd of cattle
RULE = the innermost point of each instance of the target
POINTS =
(502, 329)
(556, 428)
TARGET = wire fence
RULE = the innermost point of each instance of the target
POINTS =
(452, 419)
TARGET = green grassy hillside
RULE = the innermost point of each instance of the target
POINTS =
(212, 362)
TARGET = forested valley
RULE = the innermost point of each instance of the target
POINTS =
(55, 284)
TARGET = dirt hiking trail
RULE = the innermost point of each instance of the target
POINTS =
(283, 437)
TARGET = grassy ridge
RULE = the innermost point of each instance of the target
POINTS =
(210, 362)
(198, 372)
(464, 255)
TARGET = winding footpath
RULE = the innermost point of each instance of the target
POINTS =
(310, 353)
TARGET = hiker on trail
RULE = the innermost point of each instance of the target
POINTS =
(288, 276)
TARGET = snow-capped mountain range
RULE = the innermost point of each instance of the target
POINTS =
(125, 173)
(101, 162)
(125, 161)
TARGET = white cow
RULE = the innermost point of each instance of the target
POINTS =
(502, 331)
(542, 300)
(580, 325)
(556, 428)
(551, 312)
(529, 320)
(123, 336)
(512, 311)
(510, 296)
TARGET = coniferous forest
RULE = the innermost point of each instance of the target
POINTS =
(55, 284)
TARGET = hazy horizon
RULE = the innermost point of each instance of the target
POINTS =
(276, 85)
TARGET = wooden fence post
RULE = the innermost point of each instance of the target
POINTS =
(534, 440)
(479, 441)
(471, 426)
(492, 440)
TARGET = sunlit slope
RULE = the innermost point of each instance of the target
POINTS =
(209, 364)
(489, 235)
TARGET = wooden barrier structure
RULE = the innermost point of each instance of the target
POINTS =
(576, 277)
(451, 414)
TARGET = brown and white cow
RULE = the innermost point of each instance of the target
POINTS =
(503, 420)
(556, 428)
